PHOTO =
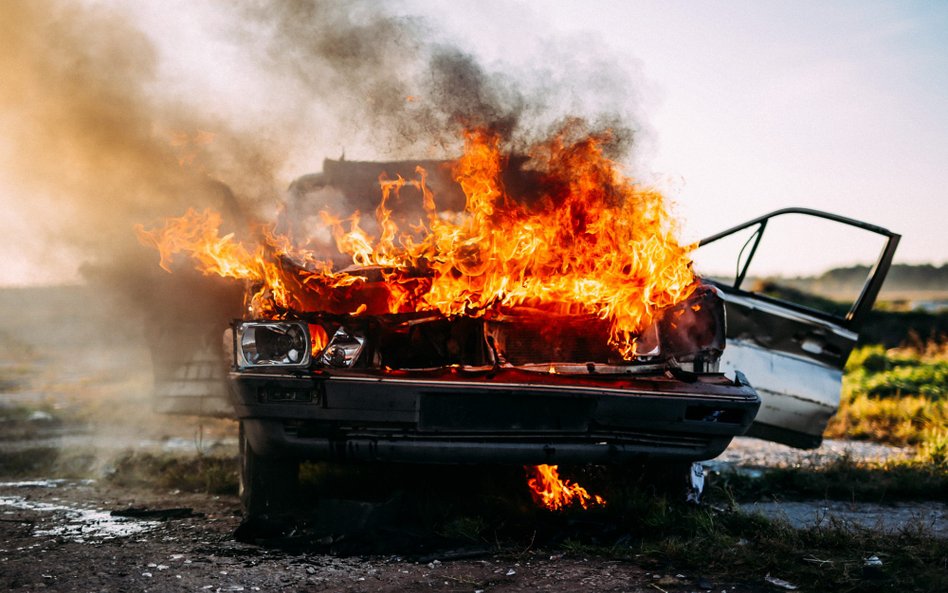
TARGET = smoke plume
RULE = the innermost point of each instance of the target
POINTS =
(97, 146)
(94, 143)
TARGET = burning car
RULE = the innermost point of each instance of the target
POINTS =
(537, 315)
(511, 388)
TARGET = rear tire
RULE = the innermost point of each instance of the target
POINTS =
(267, 486)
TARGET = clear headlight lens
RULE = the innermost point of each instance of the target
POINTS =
(272, 343)
(343, 349)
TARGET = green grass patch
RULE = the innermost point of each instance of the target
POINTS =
(876, 372)
(897, 396)
(17, 415)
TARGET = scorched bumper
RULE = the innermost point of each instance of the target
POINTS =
(497, 416)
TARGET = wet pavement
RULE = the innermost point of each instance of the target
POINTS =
(930, 517)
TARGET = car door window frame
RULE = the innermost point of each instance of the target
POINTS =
(870, 290)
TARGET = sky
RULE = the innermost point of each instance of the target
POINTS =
(755, 106)
(741, 107)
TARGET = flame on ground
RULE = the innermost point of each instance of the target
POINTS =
(554, 493)
(592, 243)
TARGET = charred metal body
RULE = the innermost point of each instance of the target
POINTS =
(526, 387)
(507, 416)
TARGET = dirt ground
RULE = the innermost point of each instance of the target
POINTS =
(89, 404)
(61, 536)
(90, 535)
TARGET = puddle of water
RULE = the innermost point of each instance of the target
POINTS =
(78, 524)
(44, 483)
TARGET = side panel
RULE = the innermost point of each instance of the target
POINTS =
(798, 396)
(793, 360)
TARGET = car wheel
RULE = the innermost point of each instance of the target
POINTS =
(267, 486)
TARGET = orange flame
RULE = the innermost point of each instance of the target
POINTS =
(554, 493)
(590, 242)
(593, 242)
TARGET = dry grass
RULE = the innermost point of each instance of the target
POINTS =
(908, 420)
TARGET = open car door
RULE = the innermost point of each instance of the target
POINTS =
(791, 344)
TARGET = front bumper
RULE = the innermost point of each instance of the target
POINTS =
(502, 416)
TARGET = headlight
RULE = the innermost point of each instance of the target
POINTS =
(343, 349)
(272, 343)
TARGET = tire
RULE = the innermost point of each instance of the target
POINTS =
(267, 486)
